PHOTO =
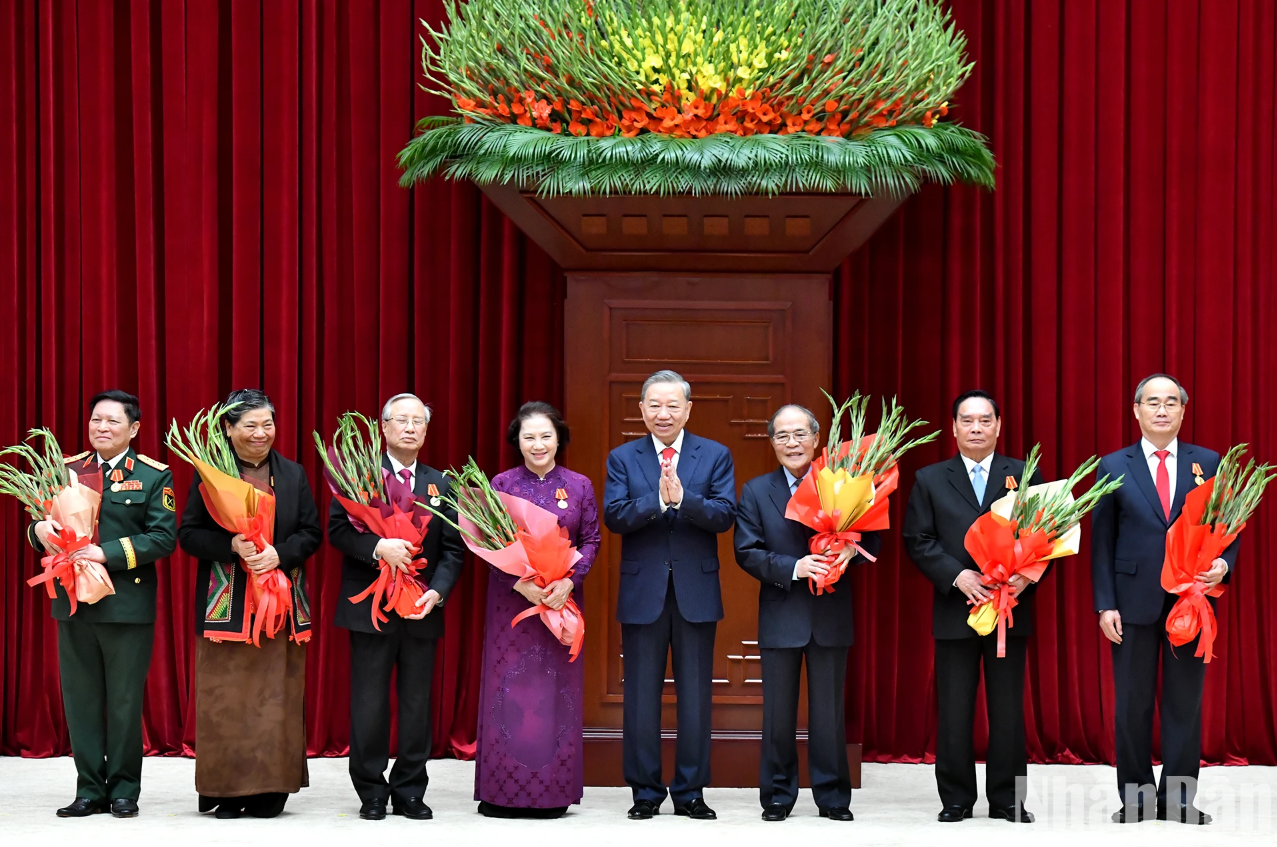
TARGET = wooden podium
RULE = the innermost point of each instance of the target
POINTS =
(734, 294)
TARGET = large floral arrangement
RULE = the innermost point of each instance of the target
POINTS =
(697, 96)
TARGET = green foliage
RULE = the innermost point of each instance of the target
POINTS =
(893, 161)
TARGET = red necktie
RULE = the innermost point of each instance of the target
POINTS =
(406, 476)
(667, 455)
(1163, 481)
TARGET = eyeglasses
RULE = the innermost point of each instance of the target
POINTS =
(403, 421)
(1154, 405)
(784, 437)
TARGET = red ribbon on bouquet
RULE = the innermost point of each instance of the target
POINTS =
(1000, 556)
(270, 596)
(60, 567)
(1191, 549)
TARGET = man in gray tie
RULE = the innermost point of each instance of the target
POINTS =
(947, 498)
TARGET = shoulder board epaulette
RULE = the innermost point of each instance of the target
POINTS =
(159, 466)
(75, 458)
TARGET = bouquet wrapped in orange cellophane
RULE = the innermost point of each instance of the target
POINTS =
(376, 501)
(53, 491)
(1022, 532)
(1215, 512)
(238, 508)
(521, 539)
(845, 493)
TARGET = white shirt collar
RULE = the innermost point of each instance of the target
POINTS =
(986, 464)
(396, 467)
(790, 479)
(113, 462)
(677, 445)
(1149, 448)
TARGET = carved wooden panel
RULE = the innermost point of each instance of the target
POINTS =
(747, 344)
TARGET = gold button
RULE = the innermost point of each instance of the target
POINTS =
(137, 581)
(128, 501)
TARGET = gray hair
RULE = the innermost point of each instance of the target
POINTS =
(385, 410)
(666, 376)
(812, 423)
(1139, 389)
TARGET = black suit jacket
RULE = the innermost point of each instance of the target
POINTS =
(297, 531)
(441, 550)
(1128, 532)
(768, 546)
(942, 507)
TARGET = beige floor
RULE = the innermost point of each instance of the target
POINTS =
(897, 806)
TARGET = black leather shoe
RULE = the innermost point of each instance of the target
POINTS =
(1185, 813)
(1015, 814)
(373, 810)
(642, 810)
(842, 813)
(413, 809)
(696, 810)
(1121, 816)
(775, 812)
(231, 808)
(954, 814)
(123, 808)
(82, 808)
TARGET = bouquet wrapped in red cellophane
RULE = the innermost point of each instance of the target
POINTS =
(845, 493)
(376, 501)
(1215, 512)
(239, 508)
(1022, 532)
(521, 539)
(53, 491)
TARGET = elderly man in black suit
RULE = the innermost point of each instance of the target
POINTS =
(794, 624)
(407, 644)
(947, 498)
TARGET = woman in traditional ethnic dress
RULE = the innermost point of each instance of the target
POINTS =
(250, 742)
(529, 746)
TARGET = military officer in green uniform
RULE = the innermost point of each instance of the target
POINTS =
(104, 649)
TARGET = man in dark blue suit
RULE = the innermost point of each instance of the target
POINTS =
(1128, 544)
(794, 624)
(668, 496)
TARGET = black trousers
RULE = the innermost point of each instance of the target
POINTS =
(1135, 663)
(827, 730)
(372, 658)
(103, 668)
(646, 647)
(957, 677)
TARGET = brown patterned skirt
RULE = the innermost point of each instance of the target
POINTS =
(250, 736)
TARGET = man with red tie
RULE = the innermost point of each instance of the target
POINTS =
(1128, 544)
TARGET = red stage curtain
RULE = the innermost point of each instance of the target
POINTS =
(199, 196)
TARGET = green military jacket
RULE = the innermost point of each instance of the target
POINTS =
(137, 525)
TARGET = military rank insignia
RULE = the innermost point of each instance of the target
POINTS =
(170, 501)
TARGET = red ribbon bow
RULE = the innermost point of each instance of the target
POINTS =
(60, 567)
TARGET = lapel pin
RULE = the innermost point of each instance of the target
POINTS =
(561, 494)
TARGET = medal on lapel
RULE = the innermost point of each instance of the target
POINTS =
(1011, 484)
(1197, 474)
(116, 476)
(561, 494)
(433, 491)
